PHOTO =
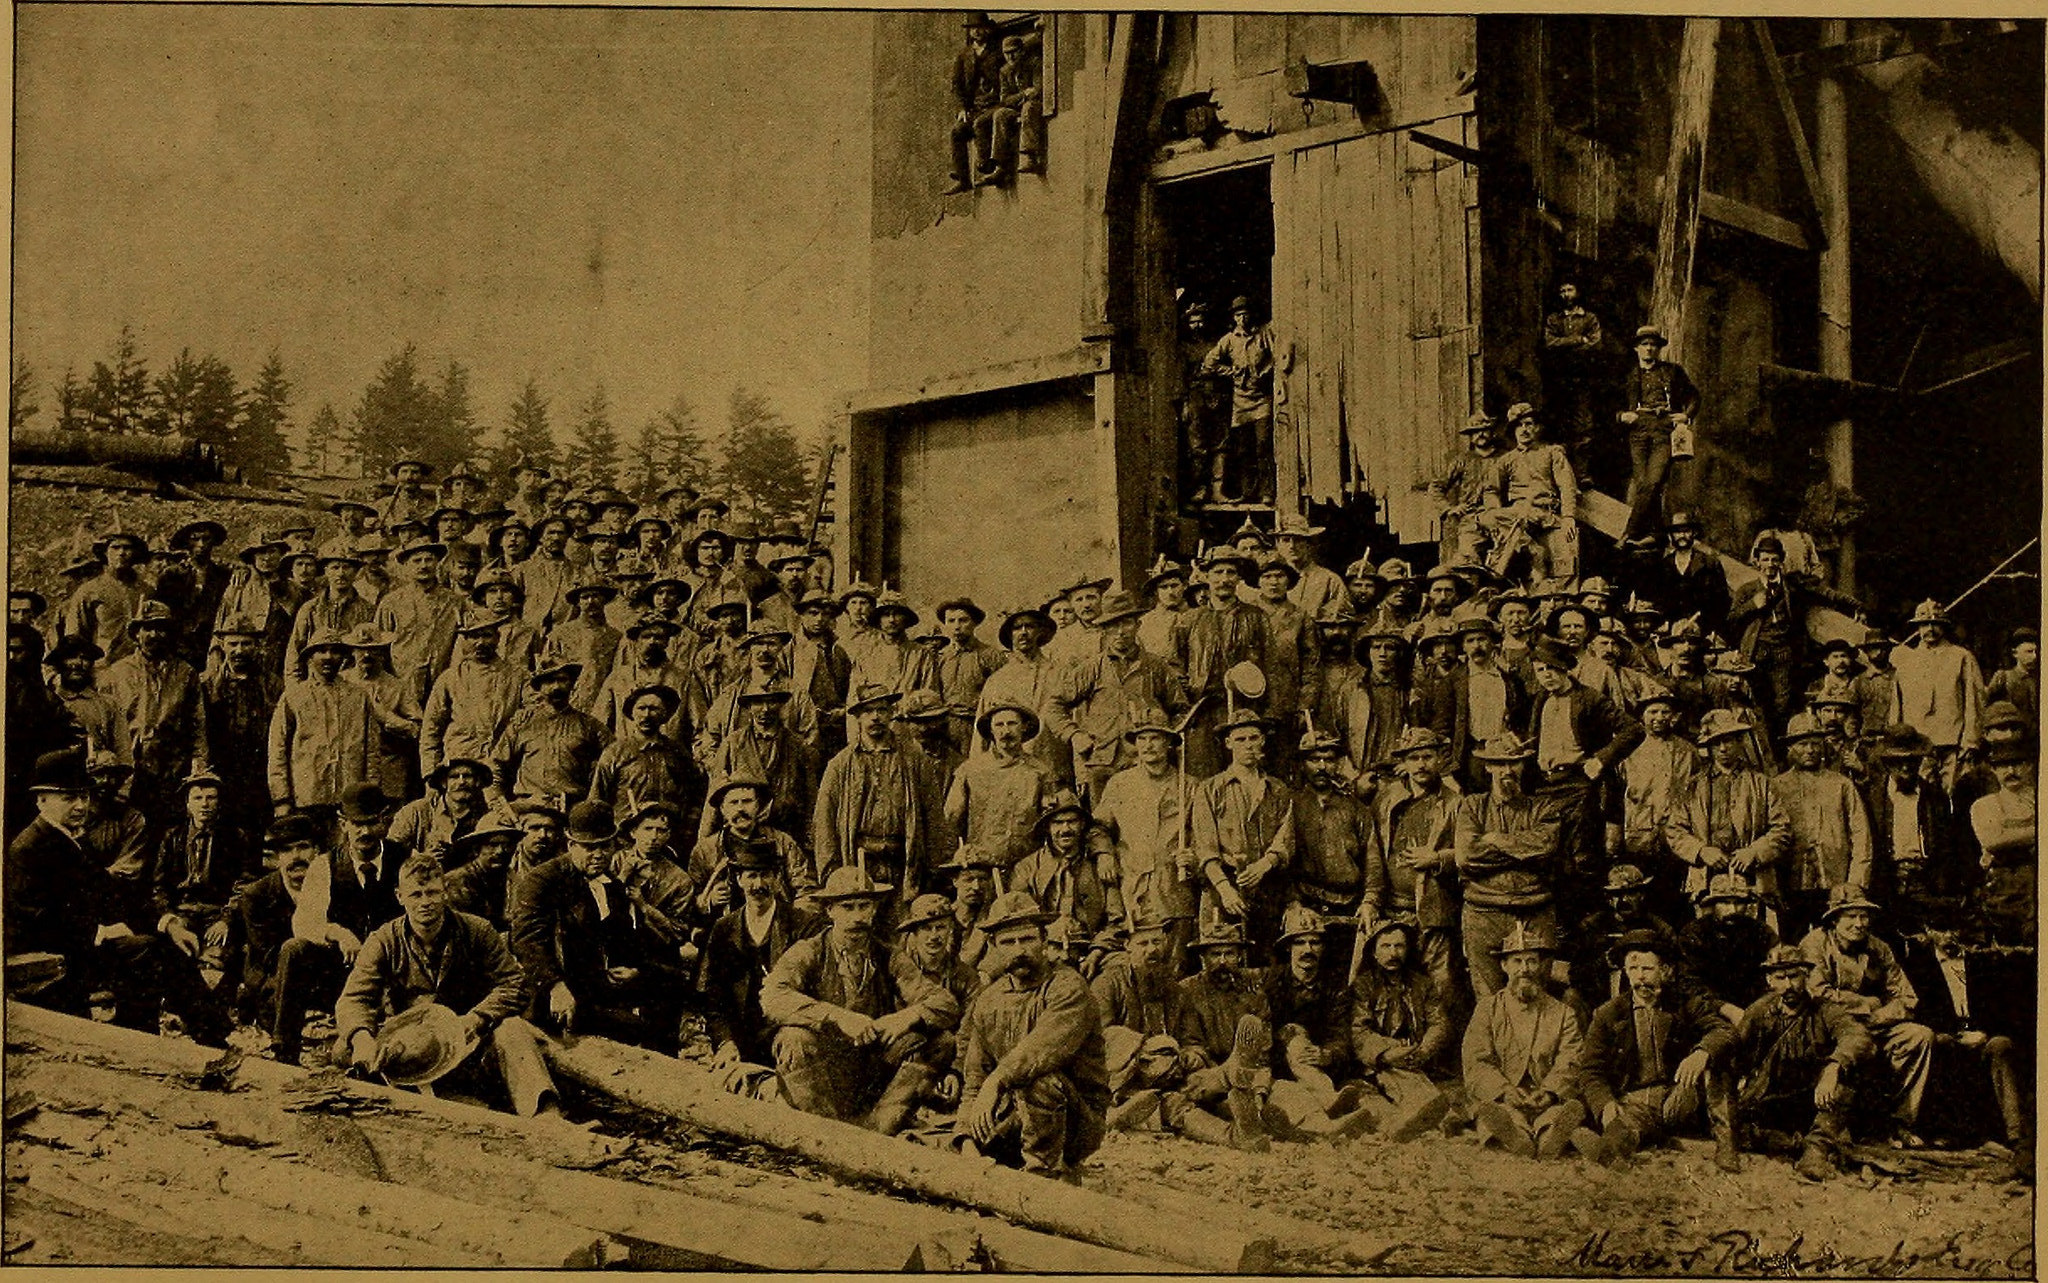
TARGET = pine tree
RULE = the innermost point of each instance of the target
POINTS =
(527, 434)
(596, 461)
(260, 450)
(646, 466)
(117, 396)
(196, 397)
(21, 396)
(675, 451)
(71, 402)
(457, 427)
(330, 446)
(764, 464)
(398, 414)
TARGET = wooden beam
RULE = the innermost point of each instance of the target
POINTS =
(1080, 362)
(1979, 363)
(1744, 217)
(1456, 151)
(1678, 215)
(1788, 108)
(1261, 151)
(661, 1084)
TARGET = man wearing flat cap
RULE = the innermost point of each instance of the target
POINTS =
(849, 1040)
(1034, 1088)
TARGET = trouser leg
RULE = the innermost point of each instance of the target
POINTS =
(308, 977)
(1484, 929)
(1262, 457)
(1909, 1049)
(815, 1071)
(963, 136)
(1997, 1054)
(515, 1049)
(984, 140)
(1003, 139)
(1649, 449)
(1055, 1129)
(1031, 133)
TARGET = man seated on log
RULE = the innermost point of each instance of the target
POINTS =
(201, 861)
(61, 901)
(1400, 1030)
(927, 959)
(849, 1042)
(592, 962)
(741, 949)
(1310, 1011)
(1654, 1054)
(1793, 1052)
(1520, 1053)
(434, 954)
(259, 922)
(349, 894)
(1034, 1087)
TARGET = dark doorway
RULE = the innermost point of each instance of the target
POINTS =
(1220, 227)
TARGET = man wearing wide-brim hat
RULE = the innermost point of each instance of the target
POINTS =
(1166, 583)
(482, 878)
(1208, 641)
(740, 812)
(100, 607)
(1510, 854)
(1141, 806)
(1941, 689)
(421, 613)
(550, 748)
(473, 702)
(1857, 970)
(1309, 1008)
(1830, 844)
(656, 653)
(1245, 356)
(996, 796)
(1411, 865)
(1521, 1052)
(1320, 592)
(927, 952)
(1731, 819)
(1722, 950)
(165, 709)
(1333, 838)
(772, 739)
(1243, 832)
(1034, 1085)
(324, 734)
(1660, 400)
(1091, 705)
(1400, 1030)
(1796, 1056)
(433, 954)
(194, 588)
(1226, 1037)
(1063, 872)
(876, 809)
(963, 664)
(643, 762)
(1027, 679)
(848, 1042)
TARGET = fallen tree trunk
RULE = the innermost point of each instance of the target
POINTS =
(665, 1086)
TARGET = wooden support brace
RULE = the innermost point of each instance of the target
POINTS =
(1678, 215)
(1762, 223)
(1781, 87)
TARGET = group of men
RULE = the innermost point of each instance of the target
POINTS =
(1260, 850)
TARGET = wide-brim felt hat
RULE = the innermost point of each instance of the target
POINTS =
(1720, 724)
(982, 723)
(969, 855)
(1163, 570)
(1398, 922)
(643, 810)
(928, 908)
(1152, 722)
(1246, 565)
(731, 782)
(1014, 909)
(1844, 898)
(1504, 748)
(652, 623)
(75, 646)
(1245, 716)
(183, 534)
(569, 671)
(423, 1044)
(409, 460)
(1729, 886)
(1299, 922)
(1218, 931)
(848, 882)
(440, 772)
(37, 603)
(1551, 651)
(670, 699)
(1117, 607)
(1904, 742)
(873, 697)
(1786, 957)
(1008, 627)
(1638, 940)
(1064, 802)
(1276, 565)
(417, 546)
(494, 824)
(153, 614)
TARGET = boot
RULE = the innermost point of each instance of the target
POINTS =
(1725, 1156)
(1248, 1120)
(1623, 1138)
(1133, 1113)
(1250, 1083)
(893, 1111)
(1503, 1126)
(1418, 1118)
(1815, 1163)
(1199, 1124)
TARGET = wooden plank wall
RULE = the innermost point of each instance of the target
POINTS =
(1375, 284)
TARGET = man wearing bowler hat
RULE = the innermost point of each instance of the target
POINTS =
(592, 962)
(1031, 1060)
(849, 1039)
(743, 946)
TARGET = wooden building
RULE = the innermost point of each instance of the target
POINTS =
(1400, 195)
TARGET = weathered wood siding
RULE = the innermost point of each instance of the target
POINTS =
(1375, 285)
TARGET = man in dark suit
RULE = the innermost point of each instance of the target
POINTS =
(1958, 996)
(201, 861)
(259, 922)
(1688, 579)
(1652, 1053)
(743, 947)
(592, 963)
(60, 901)
(1580, 738)
(1660, 398)
(358, 896)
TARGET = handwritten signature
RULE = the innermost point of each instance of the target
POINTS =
(1743, 1253)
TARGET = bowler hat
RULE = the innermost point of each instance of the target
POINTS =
(927, 908)
(291, 830)
(364, 800)
(60, 772)
(982, 723)
(591, 824)
(850, 882)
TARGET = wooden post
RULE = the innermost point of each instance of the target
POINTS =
(661, 1084)
(1678, 214)
(1831, 164)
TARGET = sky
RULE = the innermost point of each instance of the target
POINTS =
(663, 202)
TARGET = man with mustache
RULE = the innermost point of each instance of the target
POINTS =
(1655, 1053)
(1521, 1054)
(849, 1042)
(1226, 1036)
(1034, 1088)
(1793, 1049)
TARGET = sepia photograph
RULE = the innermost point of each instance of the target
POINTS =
(1031, 642)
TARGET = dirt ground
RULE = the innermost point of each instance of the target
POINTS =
(1450, 1207)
